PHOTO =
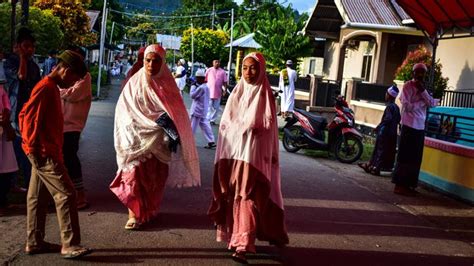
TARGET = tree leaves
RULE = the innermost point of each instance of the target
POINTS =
(277, 32)
(208, 45)
(74, 20)
(45, 26)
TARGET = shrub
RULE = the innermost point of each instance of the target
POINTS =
(422, 55)
(94, 70)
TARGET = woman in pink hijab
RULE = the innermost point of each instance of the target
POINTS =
(153, 140)
(247, 201)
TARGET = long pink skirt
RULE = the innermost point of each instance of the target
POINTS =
(141, 189)
(240, 231)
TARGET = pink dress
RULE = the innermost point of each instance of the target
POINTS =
(8, 162)
(247, 202)
(145, 163)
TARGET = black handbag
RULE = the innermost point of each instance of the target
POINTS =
(165, 122)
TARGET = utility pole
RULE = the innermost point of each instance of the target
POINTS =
(229, 65)
(213, 13)
(25, 8)
(102, 41)
(192, 47)
(12, 24)
(110, 42)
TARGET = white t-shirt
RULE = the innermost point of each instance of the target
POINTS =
(181, 82)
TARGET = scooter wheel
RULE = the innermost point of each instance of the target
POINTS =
(288, 143)
(348, 149)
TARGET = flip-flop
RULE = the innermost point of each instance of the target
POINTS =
(364, 166)
(83, 205)
(240, 258)
(132, 224)
(375, 172)
(76, 253)
(43, 248)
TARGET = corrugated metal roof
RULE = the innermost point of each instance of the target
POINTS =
(325, 21)
(246, 41)
(380, 12)
(403, 15)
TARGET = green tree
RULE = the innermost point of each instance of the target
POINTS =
(241, 28)
(422, 55)
(75, 22)
(45, 26)
(278, 33)
(208, 45)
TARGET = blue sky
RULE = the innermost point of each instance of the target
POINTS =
(300, 5)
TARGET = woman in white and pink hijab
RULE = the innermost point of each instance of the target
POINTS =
(247, 201)
(153, 140)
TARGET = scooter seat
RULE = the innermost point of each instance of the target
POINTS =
(314, 118)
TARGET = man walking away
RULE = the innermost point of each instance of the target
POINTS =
(41, 126)
(200, 95)
(287, 85)
(217, 83)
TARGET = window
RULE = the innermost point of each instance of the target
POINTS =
(366, 67)
(312, 66)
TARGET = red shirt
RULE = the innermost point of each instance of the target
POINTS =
(41, 121)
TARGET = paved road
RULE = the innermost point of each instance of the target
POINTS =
(336, 215)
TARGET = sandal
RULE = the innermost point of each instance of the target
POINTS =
(75, 253)
(239, 257)
(364, 166)
(45, 247)
(375, 171)
(210, 146)
(132, 224)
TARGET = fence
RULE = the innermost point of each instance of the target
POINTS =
(457, 99)
(370, 92)
(327, 90)
(301, 84)
(450, 127)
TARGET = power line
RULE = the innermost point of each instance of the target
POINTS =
(169, 28)
(169, 17)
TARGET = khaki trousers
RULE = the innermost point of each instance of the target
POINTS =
(49, 176)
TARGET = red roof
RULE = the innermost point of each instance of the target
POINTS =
(436, 16)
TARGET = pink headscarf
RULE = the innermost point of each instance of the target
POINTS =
(248, 129)
(143, 107)
(257, 96)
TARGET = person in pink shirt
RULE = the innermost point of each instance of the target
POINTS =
(216, 79)
(76, 103)
(415, 100)
(8, 164)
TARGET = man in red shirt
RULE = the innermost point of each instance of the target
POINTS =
(41, 127)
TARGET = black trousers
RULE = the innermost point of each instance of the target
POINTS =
(5, 184)
(71, 161)
(410, 155)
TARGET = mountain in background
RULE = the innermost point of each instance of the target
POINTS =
(154, 6)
